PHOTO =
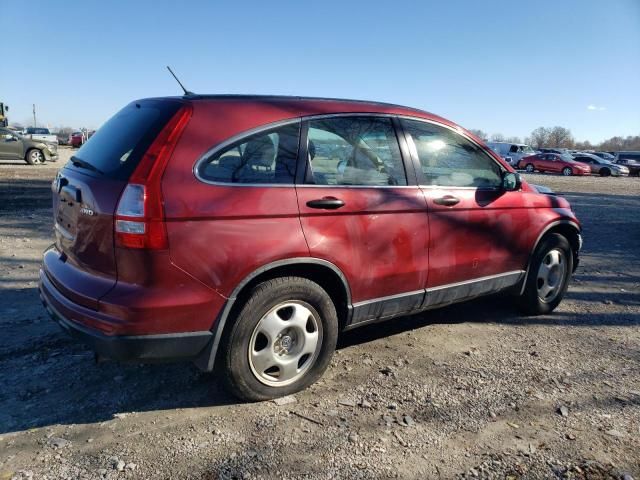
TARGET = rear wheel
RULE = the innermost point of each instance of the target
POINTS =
(529, 168)
(605, 172)
(567, 172)
(34, 157)
(282, 340)
(548, 276)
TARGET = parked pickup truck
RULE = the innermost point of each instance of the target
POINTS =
(42, 134)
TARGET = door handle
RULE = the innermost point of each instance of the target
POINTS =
(326, 203)
(447, 201)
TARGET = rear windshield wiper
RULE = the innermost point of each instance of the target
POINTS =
(78, 162)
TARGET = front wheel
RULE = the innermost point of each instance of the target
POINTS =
(567, 172)
(605, 172)
(548, 276)
(34, 157)
(529, 168)
(282, 340)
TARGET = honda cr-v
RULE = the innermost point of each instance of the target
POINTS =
(246, 232)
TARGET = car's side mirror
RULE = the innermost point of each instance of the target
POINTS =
(511, 182)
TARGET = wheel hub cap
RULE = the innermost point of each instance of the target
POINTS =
(551, 275)
(285, 343)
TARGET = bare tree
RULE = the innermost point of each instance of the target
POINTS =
(482, 135)
(497, 137)
(513, 140)
(619, 143)
(560, 137)
(586, 145)
(539, 137)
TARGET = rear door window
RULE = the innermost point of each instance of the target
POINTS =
(354, 151)
(117, 147)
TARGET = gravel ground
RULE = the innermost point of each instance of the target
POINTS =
(473, 390)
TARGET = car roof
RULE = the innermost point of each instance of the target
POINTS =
(309, 106)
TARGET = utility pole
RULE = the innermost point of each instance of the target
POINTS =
(34, 115)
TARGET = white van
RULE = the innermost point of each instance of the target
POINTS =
(511, 152)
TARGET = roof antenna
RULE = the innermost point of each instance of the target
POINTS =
(186, 92)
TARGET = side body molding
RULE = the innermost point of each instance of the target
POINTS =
(379, 309)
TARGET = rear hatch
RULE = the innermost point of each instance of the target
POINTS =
(85, 196)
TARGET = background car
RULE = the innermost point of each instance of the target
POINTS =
(555, 163)
(511, 152)
(601, 166)
(552, 150)
(14, 146)
(605, 155)
(631, 160)
(43, 134)
(75, 139)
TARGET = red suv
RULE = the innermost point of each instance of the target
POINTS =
(247, 232)
(554, 162)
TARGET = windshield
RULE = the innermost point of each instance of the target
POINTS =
(10, 132)
(567, 157)
(527, 149)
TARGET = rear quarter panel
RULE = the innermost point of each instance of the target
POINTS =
(219, 234)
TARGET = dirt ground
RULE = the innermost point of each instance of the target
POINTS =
(473, 390)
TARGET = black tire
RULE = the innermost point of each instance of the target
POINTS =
(34, 157)
(265, 298)
(530, 168)
(530, 302)
(605, 172)
(567, 172)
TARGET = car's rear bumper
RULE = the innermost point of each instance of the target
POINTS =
(146, 348)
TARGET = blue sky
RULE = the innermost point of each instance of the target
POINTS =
(501, 66)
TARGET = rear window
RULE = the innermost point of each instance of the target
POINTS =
(117, 147)
(38, 131)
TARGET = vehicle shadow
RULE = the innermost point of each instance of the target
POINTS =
(54, 379)
(49, 378)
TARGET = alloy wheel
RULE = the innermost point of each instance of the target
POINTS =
(36, 157)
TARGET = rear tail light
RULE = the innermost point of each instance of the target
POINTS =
(139, 220)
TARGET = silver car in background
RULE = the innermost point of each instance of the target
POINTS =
(511, 152)
(600, 166)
